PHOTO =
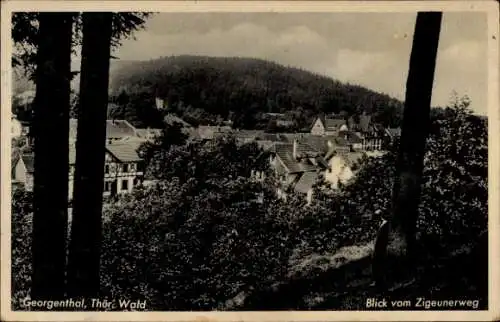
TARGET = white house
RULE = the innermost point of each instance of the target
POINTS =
(123, 168)
(328, 126)
(342, 167)
(22, 171)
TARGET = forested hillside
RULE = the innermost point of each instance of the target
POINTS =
(242, 89)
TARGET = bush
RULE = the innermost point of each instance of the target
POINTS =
(21, 237)
(193, 246)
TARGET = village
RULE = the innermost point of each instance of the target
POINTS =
(333, 150)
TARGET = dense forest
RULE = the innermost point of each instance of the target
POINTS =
(214, 89)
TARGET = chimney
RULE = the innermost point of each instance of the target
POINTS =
(295, 143)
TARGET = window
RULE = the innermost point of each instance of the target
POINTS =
(125, 167)
(107, 186)
(132, 167)
(125, 184)
(106, 168)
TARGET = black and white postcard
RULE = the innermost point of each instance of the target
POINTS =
(250, 161)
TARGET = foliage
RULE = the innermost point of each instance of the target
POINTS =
(243, 89)
(207, 231)
(21, 236)
(455, 177)
(25, 33)
(172, 134)
(453, 208)
(222, 158)
(194, 245)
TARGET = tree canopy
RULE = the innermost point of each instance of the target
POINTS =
(244, 90)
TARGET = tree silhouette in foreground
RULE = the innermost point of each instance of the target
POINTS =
(84, 255)
(51, 129)
(399, 239)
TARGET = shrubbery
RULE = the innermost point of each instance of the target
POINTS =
(21, 232)
(206, 232)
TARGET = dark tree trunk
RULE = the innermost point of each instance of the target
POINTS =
(83, 270)
(416, 122)
(51, 139)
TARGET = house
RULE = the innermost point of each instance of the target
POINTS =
(22, 171)
(342, 167)
(350, 139)
(328, 125)
(297, 166)
(305, 185)
(123, 168)
(371, 134)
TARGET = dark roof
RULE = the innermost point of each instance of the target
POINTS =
(332, 124)
(319, 143)
(125, 151)
(29, 162)
(284, 152)
(306, 182)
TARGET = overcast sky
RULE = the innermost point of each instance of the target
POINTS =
(371, 49)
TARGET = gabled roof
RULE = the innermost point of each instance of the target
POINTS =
(125, 151)
(284, 151)
(332, 124)
(319, 143)
(306, 182)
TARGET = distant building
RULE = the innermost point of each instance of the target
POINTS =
(328, 126)
(123, 169)
(22, 171)
(297, 166)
